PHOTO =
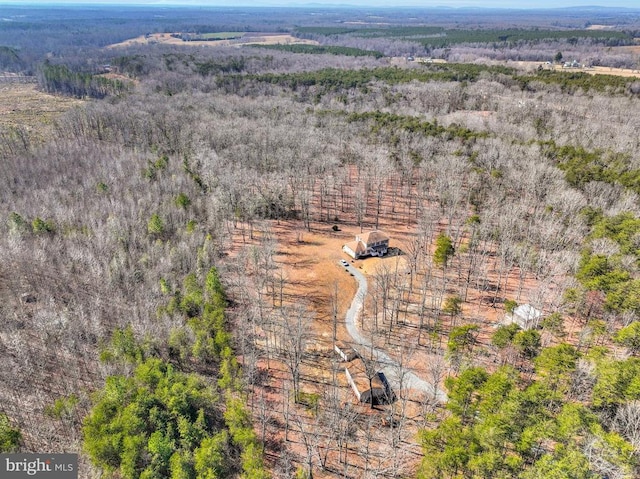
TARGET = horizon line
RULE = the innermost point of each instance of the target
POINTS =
(310, 4)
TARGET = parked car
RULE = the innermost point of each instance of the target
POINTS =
(344, 262)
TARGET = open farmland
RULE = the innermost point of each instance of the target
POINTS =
(218, 40)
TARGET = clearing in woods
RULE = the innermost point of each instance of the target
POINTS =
(308, 260)
(23, 105)
(593, 70)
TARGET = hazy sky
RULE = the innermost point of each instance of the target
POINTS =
(361, 3)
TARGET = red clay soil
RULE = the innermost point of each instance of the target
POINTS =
(309, 261)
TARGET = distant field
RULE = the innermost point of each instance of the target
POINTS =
(597, 70)
(601, 27)
(619, 72)
(216, 36)
(629, 48)
(254, 38)
(221, 35)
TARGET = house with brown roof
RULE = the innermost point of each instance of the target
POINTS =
(372, 243)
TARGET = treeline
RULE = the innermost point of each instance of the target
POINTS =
(138, 65)
(78, 33)
(61, 80)
(38, 31)
(206, 36)
(163, 421)
(323, 49)
(582, 166)
(608, 273)
(512, 36)
(392, 122)
(212, 67)
(10, 60)
(65, 80)
(134, 65)
(570, 82)
(437, 37)
(334, 79)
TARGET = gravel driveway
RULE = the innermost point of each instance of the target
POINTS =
(398, 376)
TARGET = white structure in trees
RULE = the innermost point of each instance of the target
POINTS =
(346, 352)
(526, 316)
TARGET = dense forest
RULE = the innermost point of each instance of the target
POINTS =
(169, 290)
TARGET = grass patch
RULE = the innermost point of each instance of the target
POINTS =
(309, 400)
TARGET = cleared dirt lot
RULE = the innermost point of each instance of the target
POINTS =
(309, 263)
(23, 105)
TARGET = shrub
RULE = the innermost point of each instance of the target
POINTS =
(510, 305)
(452, 305)
(527, 343)
(39, 226)
(554, 323)
(9, 436)
(182, 201)
(629, 337)
(444, 250)
(165, 287)
(504, 335)
(16, 223)
(124, 347)
(155, 226)
(62, 407)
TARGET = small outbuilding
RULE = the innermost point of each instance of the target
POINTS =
(369, 386)
(526, 316)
